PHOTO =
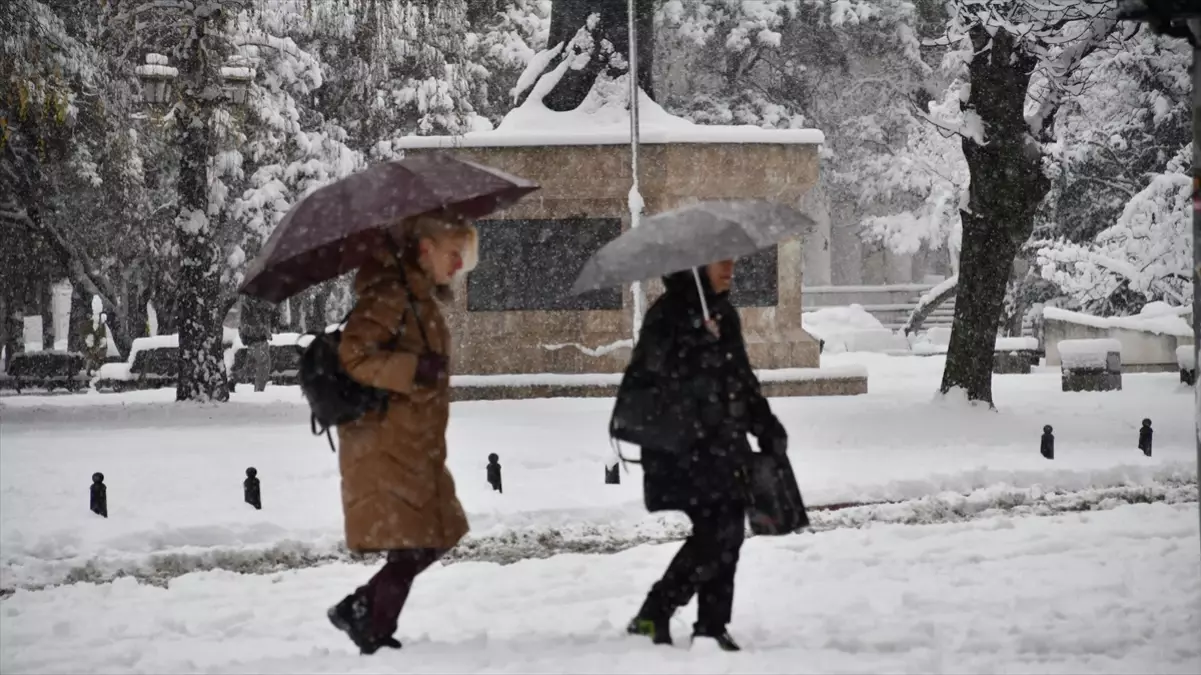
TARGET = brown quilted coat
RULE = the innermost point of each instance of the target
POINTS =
(396, 489)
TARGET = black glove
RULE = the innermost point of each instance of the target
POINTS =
(430, 369)
(775, 441)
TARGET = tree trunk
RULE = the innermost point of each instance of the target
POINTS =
(1007, 186)
(14, 323)
(6, 335)
(137, 318)
(567, 17)
(164, 312)
(202, 374)
(47, 312)
(79, 325)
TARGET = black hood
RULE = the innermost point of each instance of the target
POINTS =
(684, 284)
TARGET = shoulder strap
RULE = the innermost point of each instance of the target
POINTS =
(317, 432)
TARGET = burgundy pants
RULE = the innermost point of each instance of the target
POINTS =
(389, 588)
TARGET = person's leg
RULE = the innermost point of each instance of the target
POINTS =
(389, 589)
(715, 592)
(679, 582)
(369, 614)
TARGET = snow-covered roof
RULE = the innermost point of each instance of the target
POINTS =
(158, 71)
(605, 122)
(1092, 353)
(1007, 344)
(1156, 317)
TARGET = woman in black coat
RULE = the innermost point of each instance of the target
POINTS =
(689, 398)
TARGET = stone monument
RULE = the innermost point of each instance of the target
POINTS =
(513, 315)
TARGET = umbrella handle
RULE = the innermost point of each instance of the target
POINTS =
(700, 290)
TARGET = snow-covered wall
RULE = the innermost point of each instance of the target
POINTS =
(1149, 340)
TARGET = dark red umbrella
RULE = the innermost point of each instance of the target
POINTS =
(340, 226)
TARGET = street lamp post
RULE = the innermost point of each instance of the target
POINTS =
(1182, 19)
(199, 84)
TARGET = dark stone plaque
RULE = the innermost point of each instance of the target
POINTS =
(530, 265)
(756, 280)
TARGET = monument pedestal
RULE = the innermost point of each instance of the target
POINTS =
(514, 315)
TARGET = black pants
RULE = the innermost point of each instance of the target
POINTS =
(705, 567)
(389, 588)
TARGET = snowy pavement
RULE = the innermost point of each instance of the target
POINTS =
(175, 472)
(1117, 591)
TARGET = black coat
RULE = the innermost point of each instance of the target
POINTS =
(714, 397)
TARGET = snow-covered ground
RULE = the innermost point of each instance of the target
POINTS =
(174, 473)
(1115, 591)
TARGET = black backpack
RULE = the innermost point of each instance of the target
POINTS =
(335, 397)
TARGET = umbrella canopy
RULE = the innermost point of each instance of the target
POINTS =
(340, 226)
(690, 237)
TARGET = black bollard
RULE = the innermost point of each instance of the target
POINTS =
(1144, 437)
(251, 490)
(1048, 444)
(613, 474)
(494, 473)
(99, 495)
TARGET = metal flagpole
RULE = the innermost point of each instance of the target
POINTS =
(635, 196)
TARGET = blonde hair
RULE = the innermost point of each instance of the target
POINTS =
(411, 231)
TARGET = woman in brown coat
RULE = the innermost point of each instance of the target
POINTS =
(397, 495)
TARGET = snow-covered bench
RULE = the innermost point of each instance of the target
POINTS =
(1186, 358)
(1091, 365)
(1015, 355)
(285, 361)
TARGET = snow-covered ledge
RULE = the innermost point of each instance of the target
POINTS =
(581, 158)
(693, 133)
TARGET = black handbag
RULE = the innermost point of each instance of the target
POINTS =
(642, 417)
(776, 506)
(334, 397)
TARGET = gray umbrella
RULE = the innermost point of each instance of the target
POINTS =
(689, 237)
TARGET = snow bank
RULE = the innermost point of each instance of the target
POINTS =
(614, 379)
(939, 335)
(1088, 353)
(812, 374)
(538, 379)
(851, 329)
(931, 342)
(1156, 317)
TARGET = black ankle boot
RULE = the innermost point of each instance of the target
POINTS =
(353, 617)
(658, 629)
(721, 637)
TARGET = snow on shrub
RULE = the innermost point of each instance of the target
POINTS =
(851, 329)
